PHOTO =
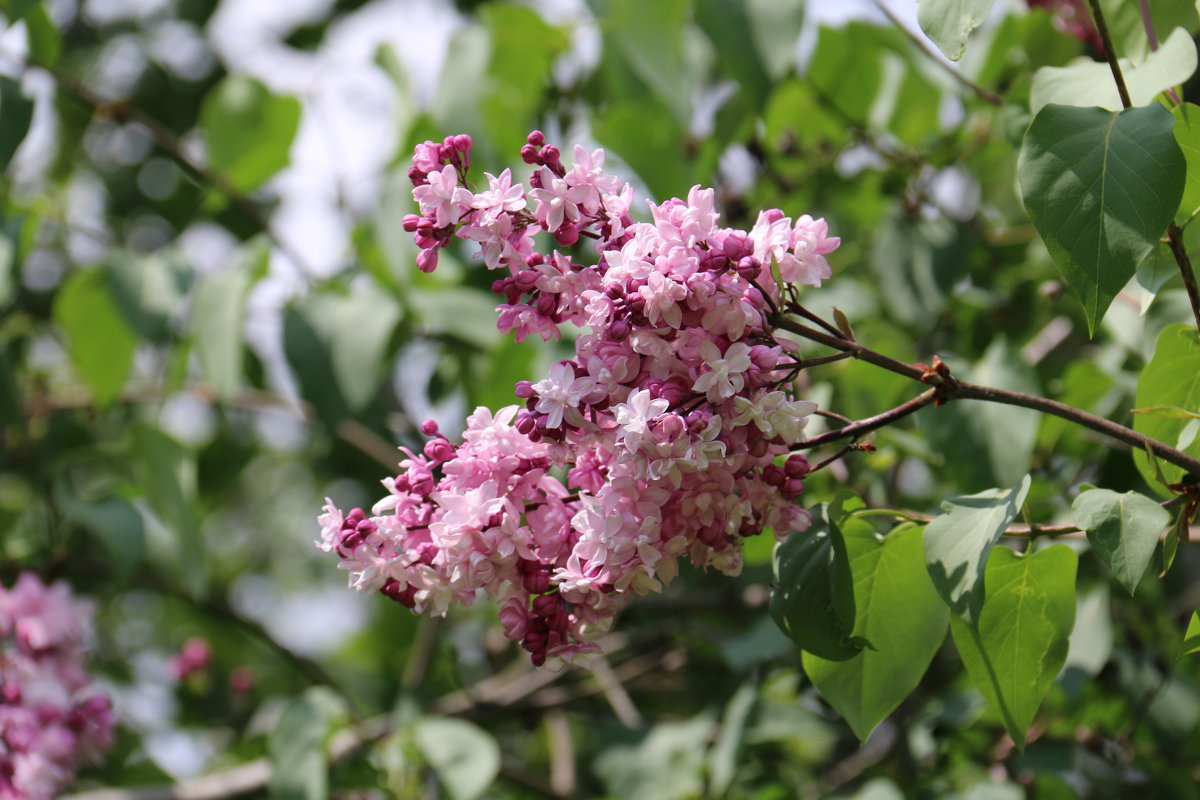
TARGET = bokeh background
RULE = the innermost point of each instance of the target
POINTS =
(210, 320)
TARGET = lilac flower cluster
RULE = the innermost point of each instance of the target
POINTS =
(671, 425)
(51, 720)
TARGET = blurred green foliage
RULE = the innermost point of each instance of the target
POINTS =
(165, 442)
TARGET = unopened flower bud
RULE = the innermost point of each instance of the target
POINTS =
(536, 138)
(427, 260)
(429, 427)
(529, 154)
(523, 390)
(797, 466)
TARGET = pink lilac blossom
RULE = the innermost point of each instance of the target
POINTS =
(51, 719)
(667, 436)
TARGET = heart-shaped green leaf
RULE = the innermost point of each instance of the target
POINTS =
(1101, 187)
(958, 542)
(898, 612)
(1021, 641)
(1123, 530)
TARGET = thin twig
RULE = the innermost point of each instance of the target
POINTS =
(983, 92)
(955, 389)
(1175, 240)
(1110, 53)
(856, 429)
(1012, 530)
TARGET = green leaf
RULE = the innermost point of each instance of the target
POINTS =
(465, 757)
(846, 70)
(148, 290)
(1128, 27)
(899, 612)
(650, 140)
(249, 131)
(776, 26)
(949, 22)
(1100, 188)
(16, 113)
(1155, 270)
(957, 544)
(1123, 529)
(15, 10)
(299, 767)
(730, 28)
(523, 51)
(1191, 638)
(813, 602)
(1087, 83)
(1172, 378)
(723, 759)
(1187, 134)
(118, 527)
(166, 473)
(218, 313)
(99, 340)
(1178, 532)
(45, 40)
(351, 332)
(1021, 640)
(650, 38)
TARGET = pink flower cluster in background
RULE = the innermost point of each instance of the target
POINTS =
(666, 436)
(51, 719)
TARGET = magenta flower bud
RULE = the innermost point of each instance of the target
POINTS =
(773, 475)
(545, 604)
(523, 390)
(797, 466)
(567, 235)
(525, 424)
(538, 659)
(439, 450)
(550, 154)
(527, 279)
(674, 393)
(773, 215)
(546, 304)
(355, 516)
(619, 331)
(749, 267)
(417, 176)
(537, 582)
(411, 222)
(429, 427)
(462, 142)
(10, 693)
(427, 260)
(529, 154)
(536, 138)
(792, 487)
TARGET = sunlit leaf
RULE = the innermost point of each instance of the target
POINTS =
(1021, 639)
(1172, 378)
(218, 311)
(949, 22)
(958, 542)
(1187, 134)
(466, 757)
(1101, 188)
(248, 130)
(1123, 529)
(899, 612)
(1086, 83)
(99, 339)
(300, 769)
(1191, 637)
(166, 473)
